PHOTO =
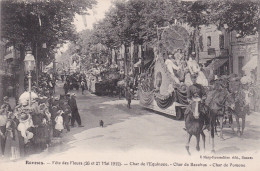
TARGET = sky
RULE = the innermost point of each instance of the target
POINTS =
(96, 14)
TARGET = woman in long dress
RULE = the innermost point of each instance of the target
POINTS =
(3, 120)
(12, 146)
(40, 126)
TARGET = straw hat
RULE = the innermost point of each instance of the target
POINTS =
(6, 98)
(24, 117)
(60, 112)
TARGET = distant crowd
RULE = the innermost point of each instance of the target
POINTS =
(26, 129)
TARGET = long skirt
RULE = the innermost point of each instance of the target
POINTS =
(2, 140)
(12, 148)
(21, 144)
(40, 137)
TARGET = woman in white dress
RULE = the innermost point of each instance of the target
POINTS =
(193, 66)
(172, 68)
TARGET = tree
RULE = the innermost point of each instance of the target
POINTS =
(32, 23)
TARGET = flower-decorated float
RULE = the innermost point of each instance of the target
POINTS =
(163, 87)
(102, 80)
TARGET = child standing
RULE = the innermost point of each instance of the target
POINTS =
(12, 150)
(82, 84)
(59, 123)
(128, 96)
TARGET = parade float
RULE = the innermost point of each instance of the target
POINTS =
(102, 80)
(159, 89)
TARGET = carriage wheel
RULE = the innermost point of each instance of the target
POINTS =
(179, 113)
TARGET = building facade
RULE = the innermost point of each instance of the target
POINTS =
(244, 54)
(214, 50)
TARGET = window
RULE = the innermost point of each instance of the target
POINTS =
(240, 65)
(209, 41)
(221, 41)
(201, 43)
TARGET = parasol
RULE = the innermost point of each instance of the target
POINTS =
(26, 95)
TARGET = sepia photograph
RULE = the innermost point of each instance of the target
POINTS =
(156, 85)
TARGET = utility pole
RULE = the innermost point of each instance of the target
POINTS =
(37, 64)
(258, 61)
(258, 66)
(54, 65)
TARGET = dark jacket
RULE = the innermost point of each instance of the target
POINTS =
(195, 90)
(73, 104)
(128, 94)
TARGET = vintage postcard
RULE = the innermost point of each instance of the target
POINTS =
(129, 85)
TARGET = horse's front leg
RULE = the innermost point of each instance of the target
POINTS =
(230, 119)
(203, 139)
(188, 143)
(243, 123)
(212, 137)
(233, 125)
(221, 127)
(238, 126)
(198, 142)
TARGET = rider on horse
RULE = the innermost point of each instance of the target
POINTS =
(242, 97)
(196, 93)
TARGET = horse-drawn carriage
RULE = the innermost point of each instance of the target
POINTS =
(158, 88)
(106, 83)
(164, 88)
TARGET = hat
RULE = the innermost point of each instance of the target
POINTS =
(42, 106)
(60, 112)
(4, 106)
(6, 98)
(245, 80)
(73, 94)
(24, 117)
(193, 76)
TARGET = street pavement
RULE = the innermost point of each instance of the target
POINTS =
(138, 134)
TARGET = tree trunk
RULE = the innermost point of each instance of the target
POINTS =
(21, 73)
(1, 70)
(258, 61)
(258, 66)
(196, 42)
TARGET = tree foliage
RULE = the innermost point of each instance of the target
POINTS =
(138, 20)
(241, 16)
(30, 23)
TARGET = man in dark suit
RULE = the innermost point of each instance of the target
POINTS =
(66, 87)
(196, 92)
(74, 111)
(128, 96)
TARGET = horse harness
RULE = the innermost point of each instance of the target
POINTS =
(222, 104)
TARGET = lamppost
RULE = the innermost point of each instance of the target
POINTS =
(29, 62)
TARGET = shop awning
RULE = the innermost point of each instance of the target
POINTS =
(251, 64)
(49, 66)
(137, 64)
(147, 62)
(2, 72)
(217, 63)
(8, 56)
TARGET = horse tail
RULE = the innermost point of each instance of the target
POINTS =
(213, 120)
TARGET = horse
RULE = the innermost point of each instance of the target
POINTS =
(218, 101)
(194, 121)
(121, 86)
(240, 110)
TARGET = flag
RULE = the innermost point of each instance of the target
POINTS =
(40, 21)
(84, 20)
(44, 45)
(113, 56)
